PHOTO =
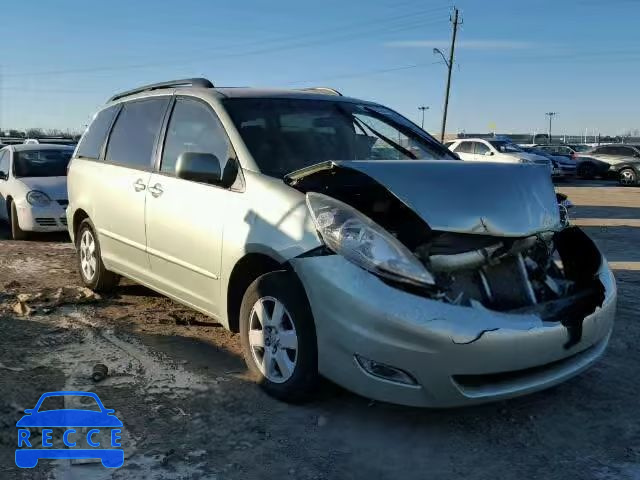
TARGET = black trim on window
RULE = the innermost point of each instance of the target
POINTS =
(103, 149)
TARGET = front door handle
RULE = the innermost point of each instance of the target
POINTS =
(139, 185)
(156, 190)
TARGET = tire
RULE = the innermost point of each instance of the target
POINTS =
(586, 170)
(628, 177)
(92, 271)
(289, 374)
(16, 232)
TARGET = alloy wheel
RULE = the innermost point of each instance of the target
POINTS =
(88, 261)
(273, 339)
(627, 177)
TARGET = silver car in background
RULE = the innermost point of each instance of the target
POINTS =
(340, 240)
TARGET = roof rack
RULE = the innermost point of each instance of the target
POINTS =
(326, 90)
(186, 82)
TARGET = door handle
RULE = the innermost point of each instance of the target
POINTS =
(139, 185)
(156, 190)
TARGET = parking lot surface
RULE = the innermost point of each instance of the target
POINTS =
(179, 385)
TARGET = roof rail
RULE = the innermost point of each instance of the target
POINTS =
(186, 82)
(325, 90)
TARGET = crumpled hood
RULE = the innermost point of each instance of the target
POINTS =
(511, 200)
(55, 187)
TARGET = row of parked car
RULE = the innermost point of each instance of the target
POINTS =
(305, 221)
(564, 161)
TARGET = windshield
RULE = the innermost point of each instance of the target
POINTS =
(505, 147)
(287, 134)
(41, 163)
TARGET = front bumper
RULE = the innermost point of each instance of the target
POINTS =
(51, 218)
(458, 355)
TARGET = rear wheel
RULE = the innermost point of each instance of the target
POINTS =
(16, 232)
(628, 177)
(279, 338)
(92, 270)
(586, 170)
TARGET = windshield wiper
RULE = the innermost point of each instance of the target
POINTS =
(361, 125)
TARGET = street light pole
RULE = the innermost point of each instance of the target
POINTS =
(550, 115)
(423, 108)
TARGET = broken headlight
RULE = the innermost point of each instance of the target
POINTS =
(360, 240)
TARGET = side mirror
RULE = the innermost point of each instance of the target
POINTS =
(488, 154)
(199, 167)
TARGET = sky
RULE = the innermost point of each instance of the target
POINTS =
(514, 60)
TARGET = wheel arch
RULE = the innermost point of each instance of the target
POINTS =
(245, 271)
(78, 216)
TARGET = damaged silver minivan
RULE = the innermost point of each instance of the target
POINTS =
(340, 240)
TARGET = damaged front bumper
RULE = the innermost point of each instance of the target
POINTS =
(458, 355)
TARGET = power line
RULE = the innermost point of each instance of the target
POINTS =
(392, 24)
(362, 74)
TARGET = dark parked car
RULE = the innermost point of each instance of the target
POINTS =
(587, 166)
(563, 167)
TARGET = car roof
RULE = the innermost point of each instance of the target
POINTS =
(474, 139)
(40, 146)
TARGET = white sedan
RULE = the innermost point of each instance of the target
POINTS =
(482, 150)
(33, 188)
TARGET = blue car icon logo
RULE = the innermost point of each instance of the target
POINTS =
(28, 453)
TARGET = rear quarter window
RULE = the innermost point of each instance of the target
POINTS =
(93, 139)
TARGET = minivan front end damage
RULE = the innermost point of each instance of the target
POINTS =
(517, 305)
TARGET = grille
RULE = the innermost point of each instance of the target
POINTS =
(64, 203)
(63, 221)
(46, 222)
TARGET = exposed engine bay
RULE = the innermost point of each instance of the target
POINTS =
(551, 273)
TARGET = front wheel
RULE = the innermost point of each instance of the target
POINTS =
(16, 232)
(92, 270)
(628, 177)
(279, 337)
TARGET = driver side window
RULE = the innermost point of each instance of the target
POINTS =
(481, 148)
(193, 127)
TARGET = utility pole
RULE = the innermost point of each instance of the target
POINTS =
(450, 67)
(423, 108)
(550, 115)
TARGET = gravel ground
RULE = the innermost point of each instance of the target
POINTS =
(179, 385)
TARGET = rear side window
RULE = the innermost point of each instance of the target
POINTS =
(604, 150)
(93, 139)
(134, 134)
(464, 147)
